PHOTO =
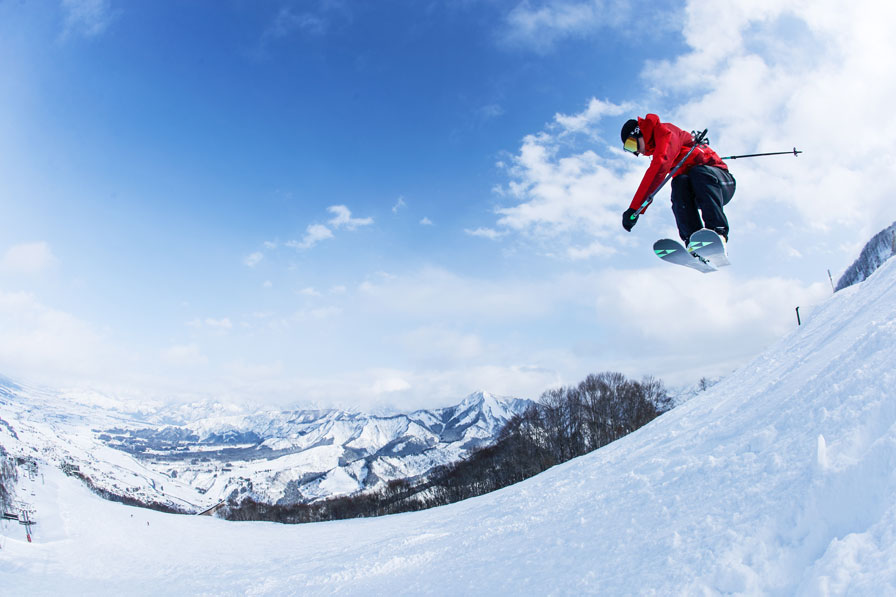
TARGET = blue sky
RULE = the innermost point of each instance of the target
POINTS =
(398, 203)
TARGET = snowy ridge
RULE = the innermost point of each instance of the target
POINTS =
(778, 480)
(881, 247)
(272, 456)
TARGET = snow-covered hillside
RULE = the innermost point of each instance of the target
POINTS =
(778, 480)
(273, 456)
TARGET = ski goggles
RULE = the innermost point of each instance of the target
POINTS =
(631, 145)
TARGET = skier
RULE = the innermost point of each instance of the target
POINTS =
(702, 185)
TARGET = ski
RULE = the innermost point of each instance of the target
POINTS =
(706, 244)
(675, 252)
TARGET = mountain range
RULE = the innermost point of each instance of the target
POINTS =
(283, 457)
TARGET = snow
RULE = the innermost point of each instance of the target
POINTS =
(778, 480)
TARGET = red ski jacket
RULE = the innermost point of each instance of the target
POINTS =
(668, 144)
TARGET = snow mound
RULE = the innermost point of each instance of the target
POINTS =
(778, 480)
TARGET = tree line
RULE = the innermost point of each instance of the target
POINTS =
(8, 477)
(564, 423)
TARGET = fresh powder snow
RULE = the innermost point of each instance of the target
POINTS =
(779, 480)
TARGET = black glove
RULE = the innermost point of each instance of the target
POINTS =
(629, 219)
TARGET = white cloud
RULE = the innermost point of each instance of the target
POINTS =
(489, 233)
(767, 76)
(388, 385)
(27, 258)
(222, 324)
(540, 25)
(253, 259)
(309, 315)
(312, 20)
(219, 324)
(400, 204)
(289, 21)
(595, 249)
(588, 118)
(86, 18)
(325, 312)
(490, 111)
(184, 355)
(436, 344)
(434, 293)
(255, 371)
(438, 386)
(313, 235)
(660, 313)
(425, 221)
(422, 387)
(48, 343)
(566, 197)
(343, 218)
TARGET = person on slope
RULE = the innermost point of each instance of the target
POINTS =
(702, 186)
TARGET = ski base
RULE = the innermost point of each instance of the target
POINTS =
(673, 251)
(706, 244)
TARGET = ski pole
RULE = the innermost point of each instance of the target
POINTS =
(795, 153)
(699, 139)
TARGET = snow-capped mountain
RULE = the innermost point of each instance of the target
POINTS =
(881, 247)
(274, 456)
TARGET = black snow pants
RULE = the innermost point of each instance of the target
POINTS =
(702, 190)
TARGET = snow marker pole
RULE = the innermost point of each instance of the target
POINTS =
(699, 139)
(795, 153)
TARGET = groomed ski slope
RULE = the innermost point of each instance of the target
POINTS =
(779, 480)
